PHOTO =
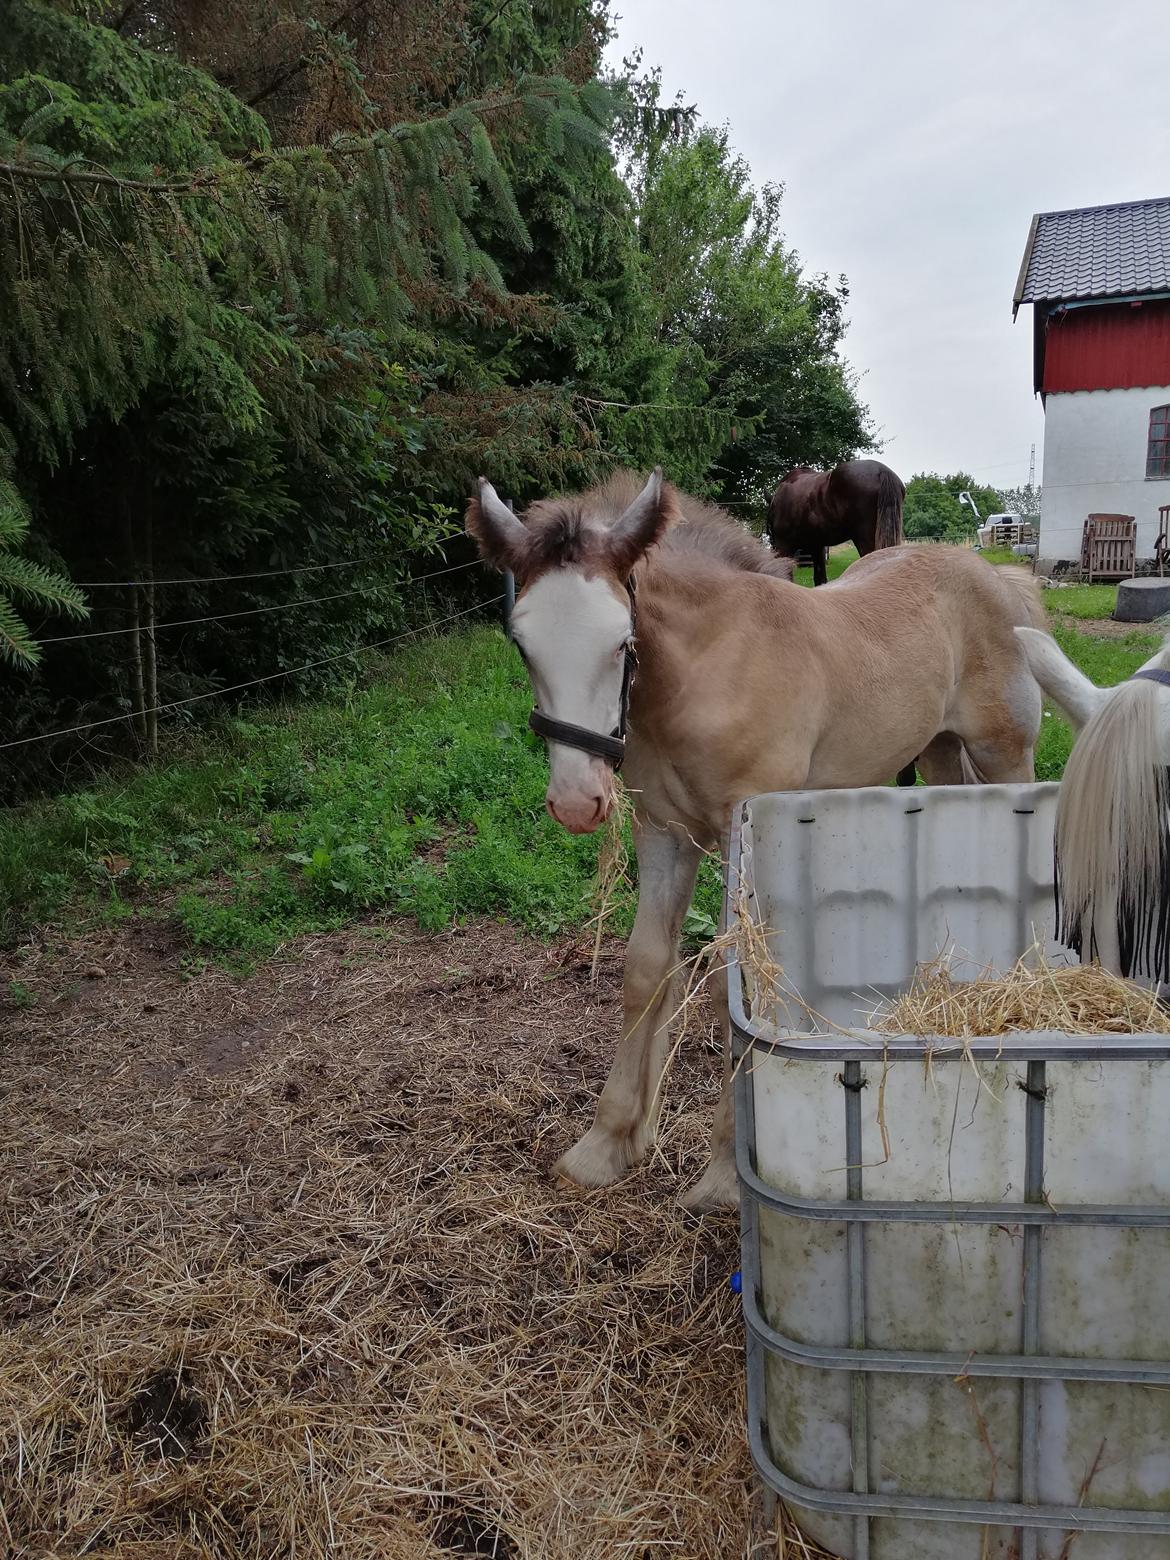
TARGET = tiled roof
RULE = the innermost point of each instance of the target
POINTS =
(1097, 252)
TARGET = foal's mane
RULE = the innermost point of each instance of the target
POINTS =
(571, 530)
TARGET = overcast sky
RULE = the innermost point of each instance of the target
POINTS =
(915, 139)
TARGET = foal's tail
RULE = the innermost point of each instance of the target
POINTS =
(890, 493)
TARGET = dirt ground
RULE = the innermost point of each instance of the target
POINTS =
(283, 1271)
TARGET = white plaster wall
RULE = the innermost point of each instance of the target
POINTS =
(1095, 462)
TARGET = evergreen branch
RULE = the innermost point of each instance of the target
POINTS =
(208, 180)
(72, 175)
(666, 406)
(22, 577)
(16, 647)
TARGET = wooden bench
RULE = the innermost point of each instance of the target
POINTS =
(1109, 547)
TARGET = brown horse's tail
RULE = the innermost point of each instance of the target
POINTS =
(890, 493)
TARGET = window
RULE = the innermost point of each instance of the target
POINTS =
(1158, 449)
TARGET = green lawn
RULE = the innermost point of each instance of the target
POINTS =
(839, 560)
(1082, 601)
(421, 791)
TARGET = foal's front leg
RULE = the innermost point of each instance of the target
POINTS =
(627, 1112)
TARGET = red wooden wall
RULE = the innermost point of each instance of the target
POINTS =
(1111, 346)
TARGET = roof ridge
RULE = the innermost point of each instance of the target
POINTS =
(1112, 205)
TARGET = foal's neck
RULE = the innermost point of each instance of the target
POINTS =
(687, 601)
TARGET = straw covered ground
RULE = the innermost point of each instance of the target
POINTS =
(283, 1274)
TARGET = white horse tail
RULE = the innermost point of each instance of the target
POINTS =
(1112, 855)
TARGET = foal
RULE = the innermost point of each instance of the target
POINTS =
(745, 683)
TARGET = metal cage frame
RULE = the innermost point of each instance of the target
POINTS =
(1028, 1368)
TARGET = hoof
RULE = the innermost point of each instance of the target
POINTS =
(599, 1159)
(716, 1192)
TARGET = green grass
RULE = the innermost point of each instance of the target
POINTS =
(839, 560)
(1082, 601)
(1105, 662)
(421, 793)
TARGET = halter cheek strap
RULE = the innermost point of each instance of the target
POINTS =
(1153, 675)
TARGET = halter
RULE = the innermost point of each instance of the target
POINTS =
(1153, 675)
(613, 747)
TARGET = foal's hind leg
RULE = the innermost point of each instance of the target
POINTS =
(627, 1112)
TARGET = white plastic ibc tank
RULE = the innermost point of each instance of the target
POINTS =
(956, 1262)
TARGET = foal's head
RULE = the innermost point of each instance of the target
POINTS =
(573, 621)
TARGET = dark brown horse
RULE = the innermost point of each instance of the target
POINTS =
(858, 502)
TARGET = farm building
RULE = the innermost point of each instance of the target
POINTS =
(1099, 283)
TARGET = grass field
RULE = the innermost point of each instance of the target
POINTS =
(1084, 601)
(421, 791)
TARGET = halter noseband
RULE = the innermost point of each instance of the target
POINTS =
(613, 747)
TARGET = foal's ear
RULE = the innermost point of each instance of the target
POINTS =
(501, 537)
(643, 523)
(1065, 684)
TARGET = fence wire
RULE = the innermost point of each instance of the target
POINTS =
(253, 682)
(224, 617)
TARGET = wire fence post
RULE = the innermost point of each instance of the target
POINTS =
(150, 647)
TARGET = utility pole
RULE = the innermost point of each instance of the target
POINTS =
(1032, 470)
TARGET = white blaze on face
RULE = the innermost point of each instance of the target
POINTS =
(573, 633)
